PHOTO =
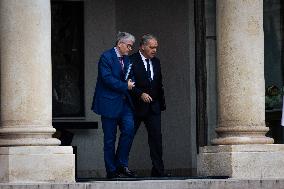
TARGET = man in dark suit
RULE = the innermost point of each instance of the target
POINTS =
(112, 101)
(148, 98)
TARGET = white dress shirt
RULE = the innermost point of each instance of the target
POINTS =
(145, 65)
(117, 52)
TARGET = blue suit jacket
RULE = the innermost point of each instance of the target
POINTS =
(111, 87)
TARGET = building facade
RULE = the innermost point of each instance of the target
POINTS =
(228, 39)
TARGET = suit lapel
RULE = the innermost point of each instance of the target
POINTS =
(154, 68)
(114, 57)
(116, 62)
(141, 65)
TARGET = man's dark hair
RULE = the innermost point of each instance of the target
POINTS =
(145, 38)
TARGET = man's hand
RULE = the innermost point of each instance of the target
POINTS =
(146, 98)
(130, 84)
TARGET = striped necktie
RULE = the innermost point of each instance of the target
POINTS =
(121, 62)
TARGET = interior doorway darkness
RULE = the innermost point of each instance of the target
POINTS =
(67, 41)
(200, 74)
(273, 19)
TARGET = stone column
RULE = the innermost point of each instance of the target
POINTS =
(244, 151)
(28, 152)
(240, 66)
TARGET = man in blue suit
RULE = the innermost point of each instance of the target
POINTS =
(112, 101)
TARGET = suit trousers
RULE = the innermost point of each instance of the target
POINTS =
(153, 125)
(119, 157)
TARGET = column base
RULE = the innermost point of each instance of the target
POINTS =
(27, 164)
(252, 161)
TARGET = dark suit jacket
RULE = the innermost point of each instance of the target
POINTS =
(111, 88)
(142, 84)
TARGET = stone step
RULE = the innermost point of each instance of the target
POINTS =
(157, 184)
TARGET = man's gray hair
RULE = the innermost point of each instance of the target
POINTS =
(124, 37)
(145, 38)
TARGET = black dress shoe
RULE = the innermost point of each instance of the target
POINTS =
(127, 172)
(112, 175)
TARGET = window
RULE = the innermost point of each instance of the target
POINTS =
(67, 43)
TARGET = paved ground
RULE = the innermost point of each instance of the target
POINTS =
(156, 184)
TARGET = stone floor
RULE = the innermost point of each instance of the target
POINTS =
(156, 184)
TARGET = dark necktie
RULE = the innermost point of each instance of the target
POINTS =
(148, 70)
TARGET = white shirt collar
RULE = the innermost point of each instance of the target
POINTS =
(117, 52)
(143, 57)
(145, 64)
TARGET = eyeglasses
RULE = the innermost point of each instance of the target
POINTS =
(129, 46)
